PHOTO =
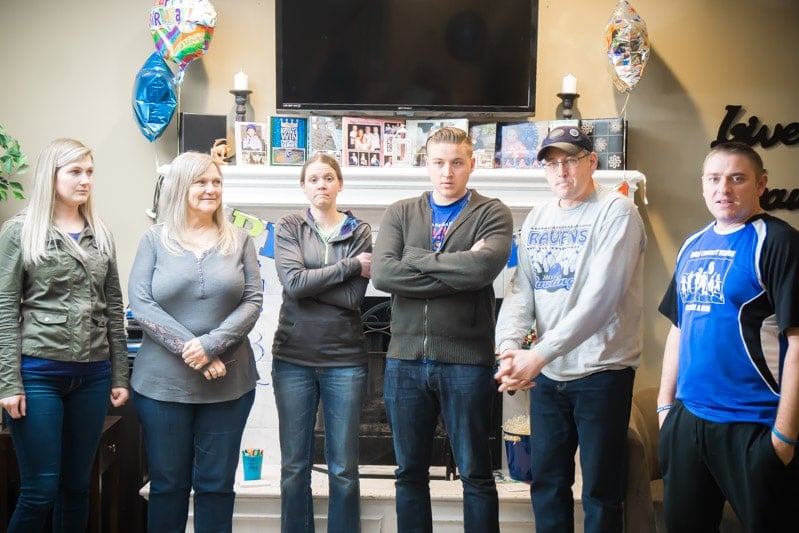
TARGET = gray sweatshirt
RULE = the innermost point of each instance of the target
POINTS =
(579, 282)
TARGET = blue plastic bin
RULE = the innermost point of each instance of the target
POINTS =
(517, 450)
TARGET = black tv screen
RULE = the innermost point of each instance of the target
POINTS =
(457, 56)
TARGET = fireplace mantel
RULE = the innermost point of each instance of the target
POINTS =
(376, 188)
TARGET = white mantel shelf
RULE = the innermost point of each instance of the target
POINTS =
(278, 187)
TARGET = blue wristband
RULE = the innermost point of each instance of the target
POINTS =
(783, 438)
(664, 407)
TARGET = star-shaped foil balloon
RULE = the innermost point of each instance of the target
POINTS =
(627, 45)
(154, 99)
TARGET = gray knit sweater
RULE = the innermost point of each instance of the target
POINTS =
(216, 298)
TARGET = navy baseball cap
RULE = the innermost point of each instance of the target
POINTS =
(570, 139)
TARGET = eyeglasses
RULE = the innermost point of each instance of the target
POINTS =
(569, 162)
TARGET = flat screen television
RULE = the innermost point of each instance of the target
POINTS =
(465, 57)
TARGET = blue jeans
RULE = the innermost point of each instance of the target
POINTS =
(298, 390)
(192, 445)
(415, 393)
(593, 412)
(55, 443)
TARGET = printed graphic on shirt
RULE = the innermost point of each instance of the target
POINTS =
(702, 279)
(439, 232)
(554, 254)
(443, 216)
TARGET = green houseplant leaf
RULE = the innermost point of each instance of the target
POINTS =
(12, 162)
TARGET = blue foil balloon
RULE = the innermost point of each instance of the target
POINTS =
(154, 99)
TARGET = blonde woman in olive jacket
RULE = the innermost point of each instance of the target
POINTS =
(62, 338)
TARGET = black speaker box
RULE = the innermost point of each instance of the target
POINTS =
(198, 132)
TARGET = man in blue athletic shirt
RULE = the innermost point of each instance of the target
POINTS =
(729, 390)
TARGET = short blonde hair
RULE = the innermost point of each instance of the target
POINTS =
(450, 135)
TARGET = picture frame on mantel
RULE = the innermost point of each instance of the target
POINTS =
(251, 143)
(420, 130)
(325, 136)
(363, 146)
(288, 140)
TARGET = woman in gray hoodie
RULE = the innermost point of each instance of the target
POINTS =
(323, 259)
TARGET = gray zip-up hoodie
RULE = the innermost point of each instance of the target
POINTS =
(320, 317)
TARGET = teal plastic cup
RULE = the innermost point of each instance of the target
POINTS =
(252, 466)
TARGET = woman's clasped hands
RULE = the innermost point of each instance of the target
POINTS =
(195, 357)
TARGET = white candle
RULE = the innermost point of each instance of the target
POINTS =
(569, 84)
(241, 81)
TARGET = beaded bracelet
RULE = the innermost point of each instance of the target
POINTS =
(664, 407)
(783, 438)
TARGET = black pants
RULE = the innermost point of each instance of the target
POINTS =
(705, 463)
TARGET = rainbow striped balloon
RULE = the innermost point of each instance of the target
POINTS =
(182, 30)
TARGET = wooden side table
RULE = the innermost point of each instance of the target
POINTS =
(105, 462)
(8, 475)
(105, 489)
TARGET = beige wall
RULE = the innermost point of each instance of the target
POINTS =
(68, 70)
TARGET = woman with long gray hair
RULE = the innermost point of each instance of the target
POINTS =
(195, 289)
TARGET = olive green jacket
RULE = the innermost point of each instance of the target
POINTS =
(67, 308)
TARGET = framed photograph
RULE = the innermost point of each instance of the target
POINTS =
(326, 136)
(397, 151)
(484, 139)
(364, 141)
(289, 140)
(420, 130)
(519, 143)
(251, 143)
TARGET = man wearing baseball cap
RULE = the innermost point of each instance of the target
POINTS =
(579, 283)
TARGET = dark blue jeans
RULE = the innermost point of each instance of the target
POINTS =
(55, 443)
(415, 392)
(593, 412)
(298, 390)
(192, 445)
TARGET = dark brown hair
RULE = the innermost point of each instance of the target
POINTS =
(327, 160)
(738, 148)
